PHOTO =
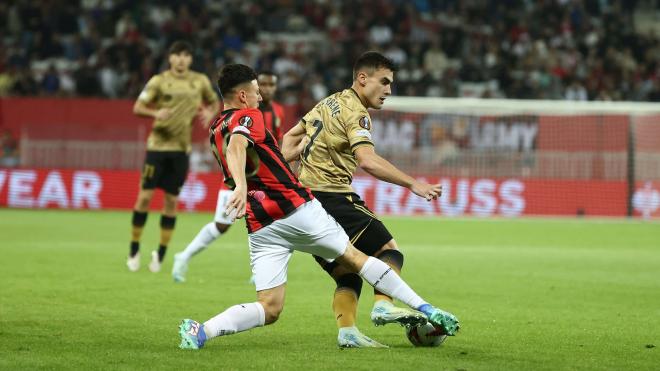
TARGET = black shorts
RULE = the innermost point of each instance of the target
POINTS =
(166, 170)
(366, 232)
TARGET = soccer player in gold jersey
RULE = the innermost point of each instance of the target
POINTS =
(174, 98)
(338, 131)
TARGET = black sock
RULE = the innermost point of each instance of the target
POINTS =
(161, 252)
(135, 248)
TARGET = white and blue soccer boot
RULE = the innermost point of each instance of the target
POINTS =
(192, 334)
(385, 312)
(351, 337)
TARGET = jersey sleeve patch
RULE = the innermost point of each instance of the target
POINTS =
(365, 123)
(245, 121)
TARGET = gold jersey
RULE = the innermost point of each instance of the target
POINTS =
(183, 96)
(336, 126)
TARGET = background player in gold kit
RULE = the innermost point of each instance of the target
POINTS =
(339, 133)
(174, 99)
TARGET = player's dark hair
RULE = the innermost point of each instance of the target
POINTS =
(181, 47)
(373, 60)
(232, 75)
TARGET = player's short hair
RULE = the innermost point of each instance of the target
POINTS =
(180, 47)
(267, 73)
(232, 75)
(373, 60)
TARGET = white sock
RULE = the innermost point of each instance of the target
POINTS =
(206, 235)
(235, 319)
(386, 280)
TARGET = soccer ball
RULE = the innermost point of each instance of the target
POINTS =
(426, 335)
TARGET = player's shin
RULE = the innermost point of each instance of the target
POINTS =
(394, 259)
(345, 300)
(138, 221)
(166, 230)
(383, 278)
(205, 237)
(235, 319)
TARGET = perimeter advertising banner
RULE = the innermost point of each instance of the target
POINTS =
(108, 189)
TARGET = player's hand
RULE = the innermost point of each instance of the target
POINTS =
(301, 146)
(163, 114)
(205, 115)
(427, 191)
(237, 203)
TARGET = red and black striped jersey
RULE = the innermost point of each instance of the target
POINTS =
(273, 189)
(273, 118)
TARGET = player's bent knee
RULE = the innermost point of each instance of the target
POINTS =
(139, 219)
(272, 300)
(272, 311)
(393, 257)
(350, 281)
(338, 271)
(352, 259)
(222, 228)
(167, 222)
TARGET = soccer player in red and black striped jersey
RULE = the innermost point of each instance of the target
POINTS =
(273, 116)
(273, 111)
(273, 188)
(282, 216)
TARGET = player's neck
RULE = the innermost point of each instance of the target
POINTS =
(356, 88)
(234, 105)
(176, 73)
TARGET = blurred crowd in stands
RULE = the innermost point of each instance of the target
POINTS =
(545, 49)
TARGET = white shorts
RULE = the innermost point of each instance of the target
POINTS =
(221, 206)
(309, 229)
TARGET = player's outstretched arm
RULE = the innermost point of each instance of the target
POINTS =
(141, 109)
(236, 163)
(294, 142)
(382, 169)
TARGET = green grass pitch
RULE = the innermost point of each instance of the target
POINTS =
(532, 294)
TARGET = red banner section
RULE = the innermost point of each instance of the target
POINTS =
(83, 189)
(87, 119)
(107, 189)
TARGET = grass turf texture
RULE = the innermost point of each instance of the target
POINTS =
(531, 295)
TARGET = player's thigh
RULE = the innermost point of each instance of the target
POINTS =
(170, 203)
(175, 173)
(366, 232)
(269, 258)
(220, 207)
(367, 241)
(154, 165)
(145, 195)
(374, 239)
(342, 208)
(312, 230)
